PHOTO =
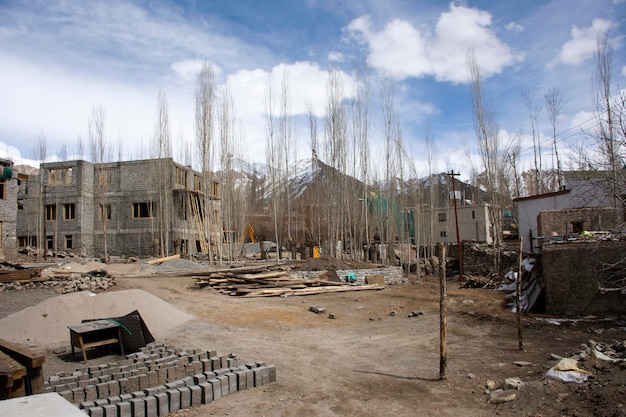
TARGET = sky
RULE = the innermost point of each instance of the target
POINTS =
(61, 58)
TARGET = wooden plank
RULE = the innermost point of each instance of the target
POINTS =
(24, 355)
(11, 370)
(161, 260)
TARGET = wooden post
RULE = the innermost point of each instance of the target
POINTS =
(442, 316)
(518, 295)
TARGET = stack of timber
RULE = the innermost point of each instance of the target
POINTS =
(265, 282)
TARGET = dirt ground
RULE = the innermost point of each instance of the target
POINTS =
(375, 360)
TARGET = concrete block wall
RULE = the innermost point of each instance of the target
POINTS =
(393, 275)
(157, 381)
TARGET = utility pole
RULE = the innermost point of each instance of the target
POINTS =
(451, 174)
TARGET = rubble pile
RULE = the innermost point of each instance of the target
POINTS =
(91, 281)
(478, 259)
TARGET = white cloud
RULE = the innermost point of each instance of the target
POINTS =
(583, 43)
(189, 69)
(514, 27)
(335, 56)
(402, 50)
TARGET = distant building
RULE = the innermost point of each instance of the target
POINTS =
(8, 204)
(590, 201)
(143, 208)
(473, 221)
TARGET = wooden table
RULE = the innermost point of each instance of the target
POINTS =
(95, 333)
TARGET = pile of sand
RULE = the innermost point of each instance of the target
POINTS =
(44, 326)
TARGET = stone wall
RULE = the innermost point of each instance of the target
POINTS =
(578, 278)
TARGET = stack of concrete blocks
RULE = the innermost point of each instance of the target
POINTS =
(157, 381)
(392, 275)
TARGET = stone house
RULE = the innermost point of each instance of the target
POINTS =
(131, 208)
(587, 202)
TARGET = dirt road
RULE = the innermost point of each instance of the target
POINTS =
(375, 360)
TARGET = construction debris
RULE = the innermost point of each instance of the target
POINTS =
(266, 281)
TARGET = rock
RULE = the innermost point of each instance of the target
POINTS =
(332, 316)
(501, 397)
(471, 375)
(317, 310)
(522, 363)
(491, 384)
(393, 313)
(415, 313)
(513, 383)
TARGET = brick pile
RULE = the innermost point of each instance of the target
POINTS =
(158, 380)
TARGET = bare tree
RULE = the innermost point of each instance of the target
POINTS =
(163, 145)
(493, 157)
(554, 105)
(205, 100)
(534, 113)
(41, 155)
(274, 158)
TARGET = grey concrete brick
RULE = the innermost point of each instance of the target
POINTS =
(162, 376)
(71, 385)
(185, 397)
(211, 353)
(124, 386)
(241, 381)
(83, 383)
(216, 384)
(110, 410)
(202, 355)
(206, 364)
(258, 377)
(174, 399)
(153, 378)
(133, 384)
(231, 362)
(114, 399)
(123, 409)
(152, 408)
(198, 379)
(60, 387)
(195, 392)
(172, 373)
(96, 412)
(163, 405)
(126, 397)
(210, 375)
(224, 361)
(197, 367)
(117, 375)
(272, 373)
(225, 384)
(249, 378)
(139, 394)
(151, 391)
(67, 394)
(78, 395)
(216, 363)
(188, 381)
(175, 384)
(232, 382)
(207, 392)
(137, 407)
(101, 401)
(87, 404)
(105, 378)
(142, 381)
(114, 388)
(251, 365)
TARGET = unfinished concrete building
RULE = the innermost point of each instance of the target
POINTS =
(149, 207)
(8, 203)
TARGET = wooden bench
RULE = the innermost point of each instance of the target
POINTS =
(21, 370)
(95, 333)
